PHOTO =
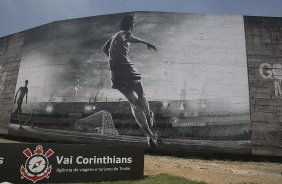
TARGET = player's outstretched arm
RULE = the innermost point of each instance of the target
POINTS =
(133, 39)
(106, 47)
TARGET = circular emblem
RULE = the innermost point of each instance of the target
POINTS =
(36, 164)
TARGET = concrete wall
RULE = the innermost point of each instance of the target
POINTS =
(10, 56)
(264, 51)
(221, 70)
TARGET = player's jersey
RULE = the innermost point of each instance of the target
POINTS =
(123, 72)
(21, 93)
(119, 48)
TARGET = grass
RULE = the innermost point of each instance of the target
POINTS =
(156, 179)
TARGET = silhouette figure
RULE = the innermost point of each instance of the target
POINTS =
(21, 93)
(126, 78)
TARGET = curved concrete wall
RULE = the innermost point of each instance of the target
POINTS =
(196, 82)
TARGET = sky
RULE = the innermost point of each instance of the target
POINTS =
(20, 15)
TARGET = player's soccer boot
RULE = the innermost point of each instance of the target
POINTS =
(152, 142)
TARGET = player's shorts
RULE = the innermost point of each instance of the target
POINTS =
(125, 75)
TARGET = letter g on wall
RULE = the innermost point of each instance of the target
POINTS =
(271, 72)
(265, 71)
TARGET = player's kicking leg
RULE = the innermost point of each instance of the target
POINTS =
(140, 116)
(20, 114)
(144, 104)
(141, 120)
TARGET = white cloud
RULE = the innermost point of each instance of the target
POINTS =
(18, 15)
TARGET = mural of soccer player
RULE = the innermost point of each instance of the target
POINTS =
(21, 93)
(126, 78)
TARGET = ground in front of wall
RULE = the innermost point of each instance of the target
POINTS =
(152, 179)
(215, 171)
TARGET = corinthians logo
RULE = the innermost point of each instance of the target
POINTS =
(37, 165)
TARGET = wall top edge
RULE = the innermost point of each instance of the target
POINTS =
(131, 12)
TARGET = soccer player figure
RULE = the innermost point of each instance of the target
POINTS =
(22, 91)
(126, 78)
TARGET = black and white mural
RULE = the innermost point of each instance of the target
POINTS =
(143, 74)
